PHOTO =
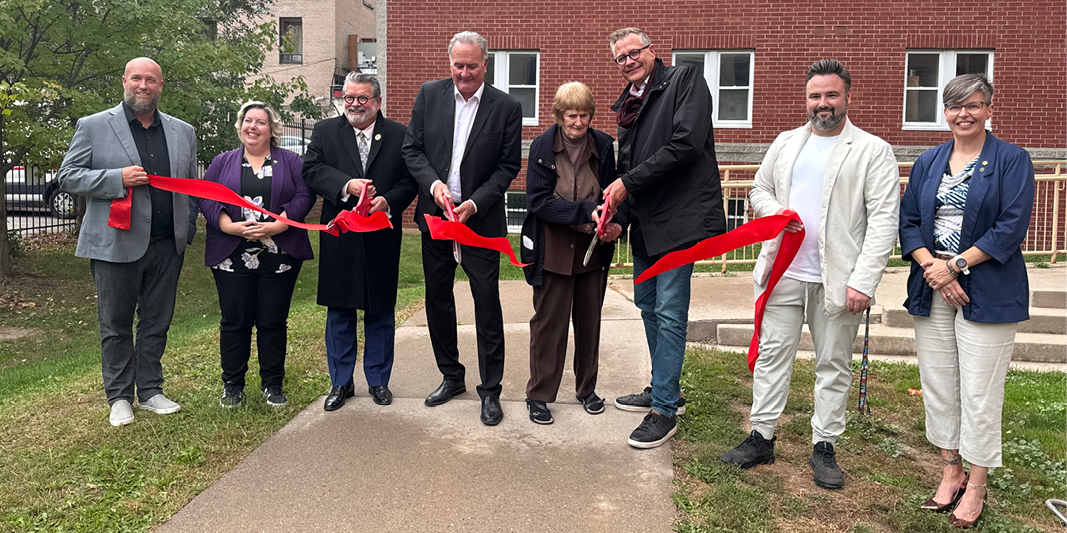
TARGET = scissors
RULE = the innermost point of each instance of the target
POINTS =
(451, 214)
(363, 205)
(599, 230)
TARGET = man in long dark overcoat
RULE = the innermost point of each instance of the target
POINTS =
(359, 271)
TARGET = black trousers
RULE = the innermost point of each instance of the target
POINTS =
(558, 300)
(259, 299)
(483, 269)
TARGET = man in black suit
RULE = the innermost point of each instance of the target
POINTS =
(359, 150)
(463, 146)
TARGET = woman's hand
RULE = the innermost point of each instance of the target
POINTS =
(937, 274)
(611, 232)
(229, 227)
(954, 295)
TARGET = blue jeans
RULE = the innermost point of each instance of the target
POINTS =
(664, 304)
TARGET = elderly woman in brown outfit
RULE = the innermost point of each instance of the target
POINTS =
(569, 166)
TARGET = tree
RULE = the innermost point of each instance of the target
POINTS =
(63, 59)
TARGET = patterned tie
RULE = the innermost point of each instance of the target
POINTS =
(364, 149)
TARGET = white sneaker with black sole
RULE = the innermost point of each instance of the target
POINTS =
(654, 430)
(642, 401)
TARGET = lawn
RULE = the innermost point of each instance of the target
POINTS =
(889, 467)
(63, 468)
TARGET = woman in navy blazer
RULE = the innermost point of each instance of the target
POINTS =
(256, 260)
(963, 218)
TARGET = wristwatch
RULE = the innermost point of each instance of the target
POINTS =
(961, 264)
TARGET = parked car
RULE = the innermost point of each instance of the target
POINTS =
(294, 143)
(24, 189)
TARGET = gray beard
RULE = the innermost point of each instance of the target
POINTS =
(140, 106)
(826, 125)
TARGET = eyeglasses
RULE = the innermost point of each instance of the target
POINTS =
(634, 54)
(972, 107)
(362, 99)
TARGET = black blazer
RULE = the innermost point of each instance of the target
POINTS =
(358, 270)
(491, 160)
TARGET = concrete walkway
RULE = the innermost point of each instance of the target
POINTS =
(408, 467)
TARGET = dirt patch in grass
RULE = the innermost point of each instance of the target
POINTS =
(11, 334)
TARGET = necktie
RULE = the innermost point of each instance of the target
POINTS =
(364, 149)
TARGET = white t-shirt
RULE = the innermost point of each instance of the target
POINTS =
(805, 197)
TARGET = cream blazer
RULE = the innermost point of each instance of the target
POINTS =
(859, 211)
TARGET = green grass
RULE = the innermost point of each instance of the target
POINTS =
(890, 467)
(63, 468)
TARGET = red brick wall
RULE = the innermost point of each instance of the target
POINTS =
(869, 37)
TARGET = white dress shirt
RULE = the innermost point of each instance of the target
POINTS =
(465, 112)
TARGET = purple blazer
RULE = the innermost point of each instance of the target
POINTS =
(288, 193)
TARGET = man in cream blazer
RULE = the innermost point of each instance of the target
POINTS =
(843, 182)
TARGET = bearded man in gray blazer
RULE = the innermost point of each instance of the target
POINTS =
(135, 265)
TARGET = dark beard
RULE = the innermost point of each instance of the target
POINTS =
(826, 125)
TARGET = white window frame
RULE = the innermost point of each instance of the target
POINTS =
(946, 71)
(501, 67)
(508, 209)
(711, 76)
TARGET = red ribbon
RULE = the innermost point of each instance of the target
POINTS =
(758, 230)
(446, 230)
(119, 216)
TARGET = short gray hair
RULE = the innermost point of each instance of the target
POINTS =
(470, 37)
(963, 86)
(273, 119)
(619, 34)
(362, 78)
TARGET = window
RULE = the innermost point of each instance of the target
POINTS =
(515, 209)
(729, 77)
(291, 40)
(736, 212)
(517, 73)
(927, 72)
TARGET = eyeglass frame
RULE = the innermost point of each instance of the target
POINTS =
(362, 99)
(621, 60)
(981, 104)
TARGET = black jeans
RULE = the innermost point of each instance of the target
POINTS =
(259, 299)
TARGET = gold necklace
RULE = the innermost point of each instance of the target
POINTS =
(966, 160)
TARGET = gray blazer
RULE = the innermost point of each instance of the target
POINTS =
(857, 218)
(92, 168)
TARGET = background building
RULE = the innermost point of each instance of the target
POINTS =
(753, 56)
(322, 41)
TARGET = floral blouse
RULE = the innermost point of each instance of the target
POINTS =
(264, 255)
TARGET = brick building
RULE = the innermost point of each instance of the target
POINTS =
(753, 56)
(323, 42)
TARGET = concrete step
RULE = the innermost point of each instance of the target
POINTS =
(885, 340)
(1042, 320)
(1049, 299)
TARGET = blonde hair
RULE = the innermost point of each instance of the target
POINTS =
(572, 95)
(273, 118)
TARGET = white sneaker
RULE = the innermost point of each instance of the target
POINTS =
(160, 405)
(121, 413)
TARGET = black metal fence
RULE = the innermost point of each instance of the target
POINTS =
(36, 205)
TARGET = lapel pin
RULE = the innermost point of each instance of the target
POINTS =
(377, 136)
(985, 162)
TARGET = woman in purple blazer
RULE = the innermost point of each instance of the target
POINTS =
(256, 259)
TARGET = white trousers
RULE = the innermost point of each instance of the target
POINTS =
(962, 366)
(791, 305)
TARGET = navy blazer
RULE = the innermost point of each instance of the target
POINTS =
(288, 193)
(995, 219)
(543, 206)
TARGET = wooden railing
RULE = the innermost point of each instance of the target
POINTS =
(1045, 238)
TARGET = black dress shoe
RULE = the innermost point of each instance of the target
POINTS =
(492, 414)
(337, 397)
(381, 395)
(445, 392)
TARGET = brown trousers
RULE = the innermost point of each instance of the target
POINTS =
(560, 298)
